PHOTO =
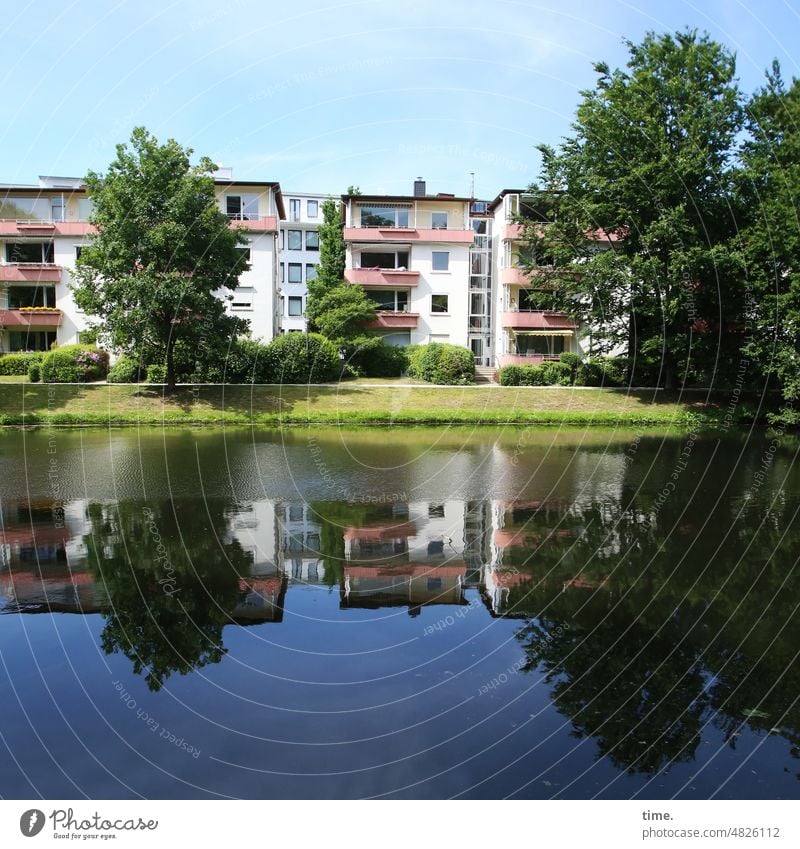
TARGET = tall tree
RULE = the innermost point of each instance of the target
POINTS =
(640, 198)
(335, 308)
(771, 186)
(161, 252)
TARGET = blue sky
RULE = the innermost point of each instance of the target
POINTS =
(321, 94)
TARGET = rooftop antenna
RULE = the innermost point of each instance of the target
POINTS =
(471, 185)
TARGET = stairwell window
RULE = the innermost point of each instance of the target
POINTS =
(295, 241)
(440, 260)
(312, 240)
(295, 272)
(294, 305)
(440, 304)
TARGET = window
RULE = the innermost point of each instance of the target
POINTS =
(295, 240)
(241, 207)
(242, 298)
(390, 300)
(295, 272)
(436, 511)
(441, 338)
(30, 340)
(384, 215)
(311, 272)
(283, 240)
(440, 260)
(439, 303)
(85, 208)
(312, 208)
(29, 252)
(294, 305)
(395, 259)
(78, 249)
(57, 208)
(312, 240)
(294, 209)
(31, 296)
(439, 220)
(25, 209)
(282, 272)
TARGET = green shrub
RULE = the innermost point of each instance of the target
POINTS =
(569, 358)
(74, 364)
(157, 373)
(511, 376)
(442, 364)
(242, 361)
(302, 358)
(35, 372)
(377, 359)
(125, 370)
(556, 374)
(12, 364)
(599, 371)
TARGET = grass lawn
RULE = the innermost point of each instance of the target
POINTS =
(349, 403)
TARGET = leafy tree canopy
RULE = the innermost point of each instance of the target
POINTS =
(163, 250)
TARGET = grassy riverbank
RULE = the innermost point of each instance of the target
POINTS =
(350, 403)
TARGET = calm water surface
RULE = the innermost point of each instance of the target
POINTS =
(406, 613)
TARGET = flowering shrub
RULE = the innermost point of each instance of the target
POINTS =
(74, 364)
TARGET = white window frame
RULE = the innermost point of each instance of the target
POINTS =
(289, 272)
(289, 299)
(440, 295)
(241, 301)
(315, 213)
(439, 227)
(445, 254)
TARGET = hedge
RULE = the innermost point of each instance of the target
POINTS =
(377, 359)
(444, 364)
(126, 369)
(302, 358)
(14, 364)
(566, 372)
(74, 364)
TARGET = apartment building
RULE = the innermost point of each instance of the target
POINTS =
(299, 255)
(525, 334)
(42, 230)
(411, 253)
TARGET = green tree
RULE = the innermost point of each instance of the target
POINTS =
(335, 308)
(161, 252)
(640, 218)
(771, 186)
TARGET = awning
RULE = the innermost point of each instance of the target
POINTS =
(554, 332)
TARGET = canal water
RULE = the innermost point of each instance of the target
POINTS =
(398, 613)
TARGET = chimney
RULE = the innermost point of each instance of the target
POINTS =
(419, 188)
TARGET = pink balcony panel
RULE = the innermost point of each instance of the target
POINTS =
(524, 359)
(381, 277)
(407, 234)
(393, 320)
(263, 224)
(32, 273)
(30, 318)
(512, 231)
(12, 227)
(537, 320)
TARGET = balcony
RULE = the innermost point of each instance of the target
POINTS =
(32, 317)
(255, 223)
(513, 231)
(386, 320)
(407, 234)
(514, 276)
(525, 359)
(30, 272)
(556, 322)
(14, 227)
(381, 277)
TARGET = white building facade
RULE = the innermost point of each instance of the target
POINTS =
(44, 226)
(299, 256)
